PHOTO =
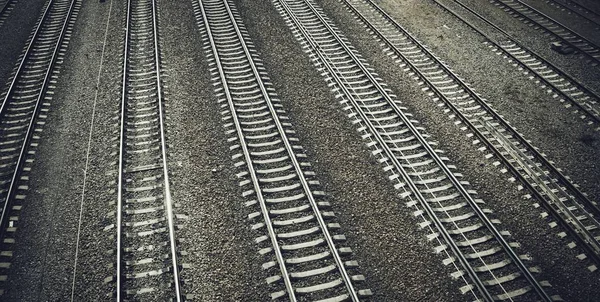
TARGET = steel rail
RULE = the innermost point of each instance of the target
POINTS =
(554, 68)
(4, 8)
(564, 27)
(168, 201)
(167, 193)
(11, 88)
(322, 225)
(482, 138)
(119, 213)
(570, 186)
(488, 109)
(29, 133)
(472, 275)
(565, 6)
(478, 283)
(578, 193)
(257, 189)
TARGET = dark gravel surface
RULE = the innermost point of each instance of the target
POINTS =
(96, 246)
(539, 42)
(574, 65)
(592, 5)
(394, 255)
(573, 22)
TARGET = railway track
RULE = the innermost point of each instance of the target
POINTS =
(6, 6)
(147, 257)
(574, 8)
(565, 88)
(572, 209)
(530, 15)
(591, 215)
(22, 113)
(304, 251)
(484, 259)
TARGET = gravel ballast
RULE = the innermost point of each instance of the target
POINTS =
(566, 139)
(538, 41)
(393, 253)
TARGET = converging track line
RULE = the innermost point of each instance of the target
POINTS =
(570, 207)
(560, 197)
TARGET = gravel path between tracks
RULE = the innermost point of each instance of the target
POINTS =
(225, 262)
(44, 261)
(16, 29)
(592, 5)
(493, 78)
(96, 247)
